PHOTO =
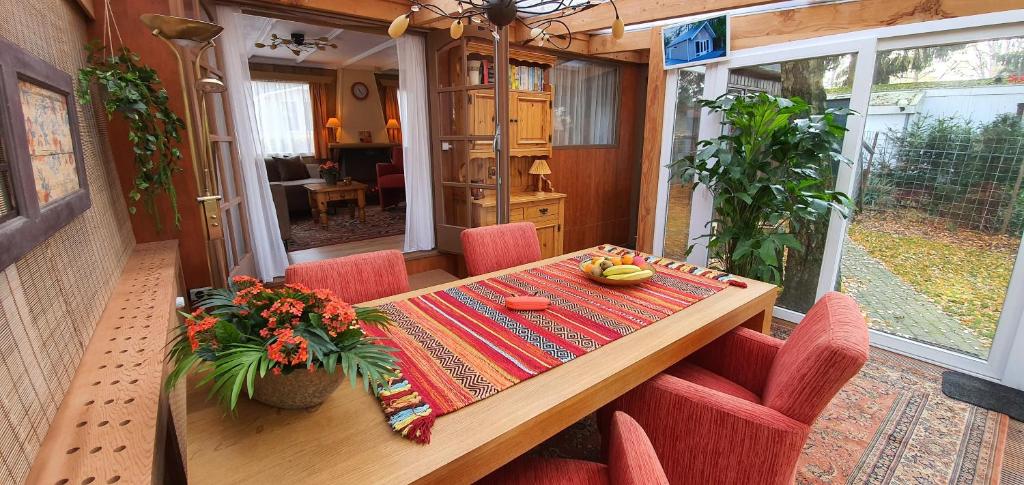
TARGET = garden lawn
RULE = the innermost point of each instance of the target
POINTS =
(964, 272)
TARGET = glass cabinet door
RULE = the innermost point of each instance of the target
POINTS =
(462, 142)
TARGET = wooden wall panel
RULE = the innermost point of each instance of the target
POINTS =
(154, 53)
(597, 180)
(651, 162)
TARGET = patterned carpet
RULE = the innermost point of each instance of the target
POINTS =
(343, 228)
(890, 424)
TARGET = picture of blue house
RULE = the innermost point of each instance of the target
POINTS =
(695, 42)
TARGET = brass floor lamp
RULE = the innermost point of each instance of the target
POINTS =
(170, 29)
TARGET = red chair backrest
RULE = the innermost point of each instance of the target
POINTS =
(357, 278)
(493, 248)
(397, 156)
(826, 349)
(631, 457)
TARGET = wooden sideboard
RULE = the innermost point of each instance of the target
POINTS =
(545, 209)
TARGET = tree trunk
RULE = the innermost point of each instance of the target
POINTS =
(804, 79)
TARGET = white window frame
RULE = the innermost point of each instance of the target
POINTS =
(1005, 362)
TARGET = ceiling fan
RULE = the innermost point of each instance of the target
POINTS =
(297, 43)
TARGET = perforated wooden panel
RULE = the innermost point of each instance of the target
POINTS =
(110, 426)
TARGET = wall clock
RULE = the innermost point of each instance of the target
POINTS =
(360, 91)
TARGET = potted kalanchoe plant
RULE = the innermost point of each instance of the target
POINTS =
(329, 172)
(285, 347)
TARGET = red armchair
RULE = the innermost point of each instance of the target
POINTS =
(631, 461)
(391, 180)
(357, 278)
(492, 248)
(739, 410)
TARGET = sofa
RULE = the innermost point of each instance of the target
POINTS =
(292, 172)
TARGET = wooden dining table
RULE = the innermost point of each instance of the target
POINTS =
(346, 440)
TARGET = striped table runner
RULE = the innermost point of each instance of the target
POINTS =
(461, 345)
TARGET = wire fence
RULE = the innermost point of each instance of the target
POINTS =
(971, 177)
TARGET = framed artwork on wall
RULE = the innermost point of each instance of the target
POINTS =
(42, 171)
(696, 42)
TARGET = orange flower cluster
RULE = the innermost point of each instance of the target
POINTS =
(199, 327)
(282, 310)
(338, 316)
(288, 349)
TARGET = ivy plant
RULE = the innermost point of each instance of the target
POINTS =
(763, 172)
(134, 91)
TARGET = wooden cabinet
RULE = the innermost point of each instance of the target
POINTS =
(530, 117)
(529, 122)
(545, 209)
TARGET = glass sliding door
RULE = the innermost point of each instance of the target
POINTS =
(932, 247)
(823, 82)
(689, 90)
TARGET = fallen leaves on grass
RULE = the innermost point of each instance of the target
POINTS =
(964, 272)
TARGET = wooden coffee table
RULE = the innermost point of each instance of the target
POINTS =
(321, 194)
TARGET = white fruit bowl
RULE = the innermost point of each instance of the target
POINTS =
(611, 282)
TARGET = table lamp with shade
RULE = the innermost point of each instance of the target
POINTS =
(392, 124)
(541, 169)
(336, 124)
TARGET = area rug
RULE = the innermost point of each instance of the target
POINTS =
(343, 228)
(890, 424)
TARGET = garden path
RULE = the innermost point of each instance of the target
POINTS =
(895, 307)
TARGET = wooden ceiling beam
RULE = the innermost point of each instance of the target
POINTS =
(640, 11)
(379, 10)
(633, 40)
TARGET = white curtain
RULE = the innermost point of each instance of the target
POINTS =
(586, 104)
(268, 249)
(412, 106)
(284, 113)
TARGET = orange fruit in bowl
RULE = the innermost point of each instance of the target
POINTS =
(587, 267)
(617, 261)
(627, 259)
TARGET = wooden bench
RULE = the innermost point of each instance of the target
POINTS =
(112, 424)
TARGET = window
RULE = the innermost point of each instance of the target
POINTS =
(586, 105)
(284, 114)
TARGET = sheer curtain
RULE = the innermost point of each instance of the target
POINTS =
(586, 105)
(267, 247)
(284, 113)
(412, 105)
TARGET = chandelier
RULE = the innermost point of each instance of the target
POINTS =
(297, 43)
(542, 17)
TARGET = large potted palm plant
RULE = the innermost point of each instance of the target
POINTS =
(764, 173)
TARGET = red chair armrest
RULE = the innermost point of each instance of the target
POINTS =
(387, 169)
(743, 356)
(705, 436)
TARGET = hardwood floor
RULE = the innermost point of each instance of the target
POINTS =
(430, 278)
(347, 249)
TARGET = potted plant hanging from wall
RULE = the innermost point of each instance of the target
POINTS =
(765, 173)
(285, 347)
(133, 90)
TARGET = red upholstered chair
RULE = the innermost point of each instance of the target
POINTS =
(357, 278)
(631, 461)
(492, 248)
(391, 179)
(739, 410)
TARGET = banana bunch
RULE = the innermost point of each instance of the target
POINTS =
(627, 272)
(626, 267)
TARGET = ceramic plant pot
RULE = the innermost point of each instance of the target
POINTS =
(331, 179)
(298, 390)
